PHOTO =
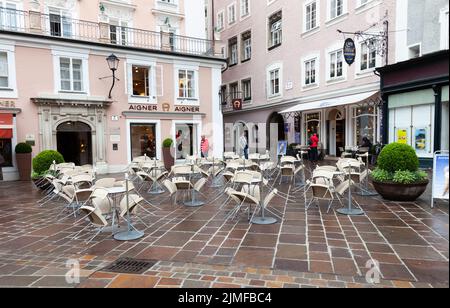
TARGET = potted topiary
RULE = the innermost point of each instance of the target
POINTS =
(23, 158)
(168, 153)
(42, 163)
(397, 176)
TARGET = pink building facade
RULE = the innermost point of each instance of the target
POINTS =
(286, 62)
(54, 94)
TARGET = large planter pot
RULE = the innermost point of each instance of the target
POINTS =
(400, 192)
(24, 166)
(169, 160)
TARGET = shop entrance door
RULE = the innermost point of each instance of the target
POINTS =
(336, 133)
(74, 142)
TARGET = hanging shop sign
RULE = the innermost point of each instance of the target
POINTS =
(237, 104)
(349, 51)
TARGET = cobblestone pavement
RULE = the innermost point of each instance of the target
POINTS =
(196, 247)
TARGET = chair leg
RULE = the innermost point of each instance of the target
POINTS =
(329, 206)
(98, 232)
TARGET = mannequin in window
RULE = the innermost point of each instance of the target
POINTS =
(179, 138)
(151, 146)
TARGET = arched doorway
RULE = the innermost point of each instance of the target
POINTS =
(276, 130)
(74, 142)
(336, 132)
(239, 128)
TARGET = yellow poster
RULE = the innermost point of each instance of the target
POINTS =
(402, 136)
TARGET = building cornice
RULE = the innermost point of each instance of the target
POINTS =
(10, 110)
(87, 102)
(163, 115)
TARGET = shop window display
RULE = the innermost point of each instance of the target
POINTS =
(143, 140)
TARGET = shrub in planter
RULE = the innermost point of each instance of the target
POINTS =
(398, 157)
(23, 158)
(43, 161)
(168, 153)
(398, 177)
(23, 148)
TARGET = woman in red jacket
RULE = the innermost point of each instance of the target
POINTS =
(314, 144)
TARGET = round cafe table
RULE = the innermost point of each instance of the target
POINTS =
(194, 202)
(262, 220)
(115, 193)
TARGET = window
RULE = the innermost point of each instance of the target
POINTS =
(223, 95)
(4, 75)
(141, 81)
(232, 14)
(275, 30)
(245, 8)
(220, 21)
(71, 74)
(312, 124)
(8, 16)
(234, 91)
(310, 72)
(311, 16)
(186, 84)
(247, 89)
(143, 140)
(8, 82)
(187, 142)
(118, 32)
(60, 23)
(233, 51)
(274, 79)
(336, 64)
(246, 46)
(336, 8)
(368, 55)
(365, 123)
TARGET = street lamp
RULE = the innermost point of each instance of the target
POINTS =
(113, 63)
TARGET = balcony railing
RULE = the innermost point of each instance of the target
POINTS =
(60, 26)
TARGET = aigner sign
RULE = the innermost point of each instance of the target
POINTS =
(165, 108)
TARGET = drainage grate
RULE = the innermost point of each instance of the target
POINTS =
(129, 266)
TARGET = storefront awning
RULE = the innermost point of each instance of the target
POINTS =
(328, 103)
(6, 126)
(6, 133)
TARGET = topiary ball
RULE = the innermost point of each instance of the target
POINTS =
(44, 160)
(23, 148)
(398, 157)
(168, 143)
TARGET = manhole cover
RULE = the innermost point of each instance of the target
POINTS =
(129, 266)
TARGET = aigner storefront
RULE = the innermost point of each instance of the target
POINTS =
(416, 111)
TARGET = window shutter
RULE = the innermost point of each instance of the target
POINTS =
(159, 80)
(129, 79)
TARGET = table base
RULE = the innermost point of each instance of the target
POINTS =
(128, 236)
(194, 203)
(367, 193)
(156, 191)
(350, 212)
(264, 221)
